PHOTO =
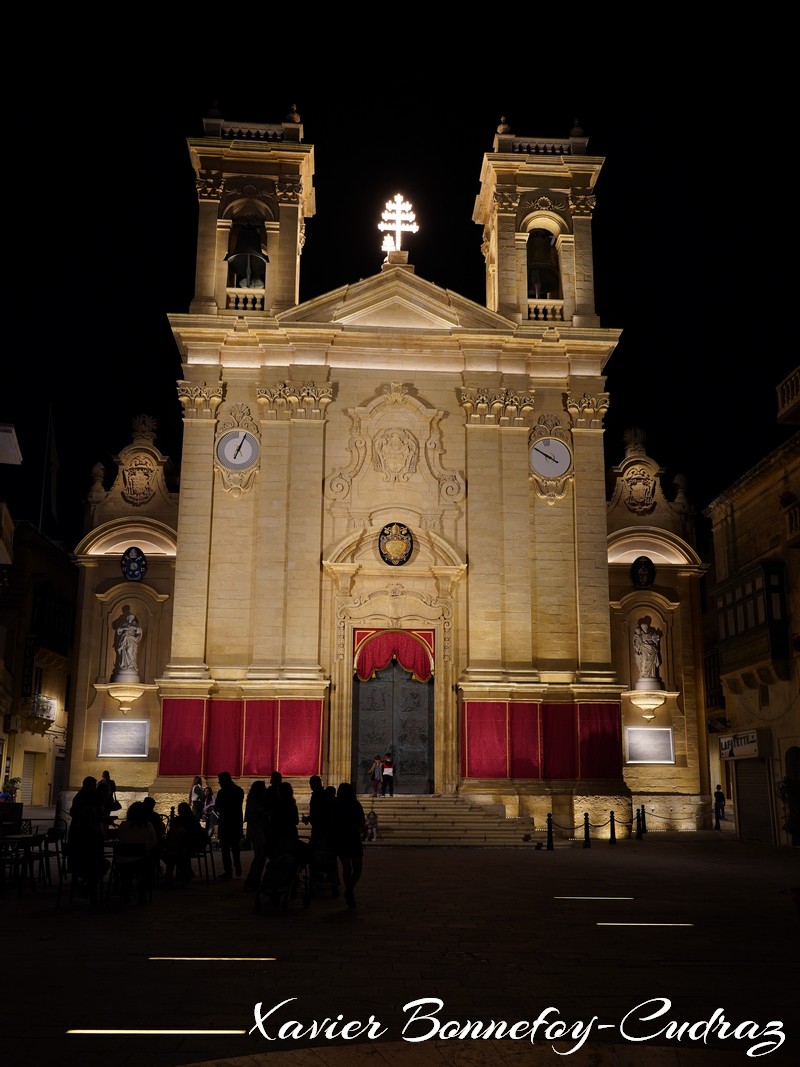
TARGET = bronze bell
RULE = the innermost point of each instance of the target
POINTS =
(247, 259)
(543, 275)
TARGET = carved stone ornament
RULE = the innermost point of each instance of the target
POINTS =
(236, 482)
(138, 479)
(639, 490)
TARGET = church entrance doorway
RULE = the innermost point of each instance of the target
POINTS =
(393, 712)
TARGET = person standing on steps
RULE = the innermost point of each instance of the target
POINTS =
(376, 774)
(388, 775)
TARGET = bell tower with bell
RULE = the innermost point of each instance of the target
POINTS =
(255, 188)
(535, 206)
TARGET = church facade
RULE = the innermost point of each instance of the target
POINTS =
(393, 532)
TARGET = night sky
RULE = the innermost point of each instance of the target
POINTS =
(700, 355)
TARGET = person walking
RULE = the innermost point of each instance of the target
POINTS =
(388, 775)
(349, 822)
(719, 807)
(230, 813)
(375, 775)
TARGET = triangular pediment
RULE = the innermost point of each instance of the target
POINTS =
(395, 298)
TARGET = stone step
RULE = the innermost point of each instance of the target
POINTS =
(423, 820)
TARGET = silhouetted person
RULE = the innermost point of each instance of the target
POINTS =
(184, 838)
(256, 815)
(85, 848)
(719, 807)
(229, 808)
(136, 829)
(349, 822)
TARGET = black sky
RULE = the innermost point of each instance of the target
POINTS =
(699, 359)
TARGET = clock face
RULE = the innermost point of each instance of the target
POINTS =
(237, 450)
(550, 457)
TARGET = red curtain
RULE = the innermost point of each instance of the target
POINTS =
(559, 741)
(379, 651)
(181, 749)
(600, 740)
(224, 737)
(523, 747)
(260, 737)
(484, 735)
(299, 737)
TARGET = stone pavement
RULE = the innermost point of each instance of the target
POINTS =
(494, 934)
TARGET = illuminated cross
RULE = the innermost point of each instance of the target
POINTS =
(397, 217)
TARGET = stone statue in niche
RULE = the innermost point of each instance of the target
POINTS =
(127, 638)
(647, 652)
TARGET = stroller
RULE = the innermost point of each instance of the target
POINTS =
(286, 875)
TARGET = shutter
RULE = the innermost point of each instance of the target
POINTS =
(753, 810)
(28, 771)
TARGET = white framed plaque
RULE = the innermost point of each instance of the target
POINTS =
(649, 744)
(121, 738)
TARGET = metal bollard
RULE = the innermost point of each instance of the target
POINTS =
(638, 825)
(586, 840)
(612, 836)
(644, 821)
(550, 845)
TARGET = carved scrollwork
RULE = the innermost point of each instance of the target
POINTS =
(587, 410)
(506, 200)
(199, 401)
(503, 407)
(339, 483)
(395, 453)
(238, 416)
(581, 204)
(288, 400)
(289, 192)
(209, 185)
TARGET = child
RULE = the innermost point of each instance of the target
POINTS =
(371, 827)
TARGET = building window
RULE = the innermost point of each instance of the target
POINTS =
(750, 601)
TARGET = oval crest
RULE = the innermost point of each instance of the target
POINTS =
(395, 544)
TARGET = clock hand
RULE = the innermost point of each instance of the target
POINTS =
(239, 448)
(542, 452)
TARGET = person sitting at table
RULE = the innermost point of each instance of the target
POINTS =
(136, 829)
(184, 838)
(86, 797)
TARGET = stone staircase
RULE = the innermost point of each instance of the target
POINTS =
(447, 821)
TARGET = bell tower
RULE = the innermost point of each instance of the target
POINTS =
(535, 206)
(255, 187)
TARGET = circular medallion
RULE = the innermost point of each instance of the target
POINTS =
(133, 564)
(643, 572)
(395, 544)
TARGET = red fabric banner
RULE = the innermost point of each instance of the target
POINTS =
(181, 750)
(559, 741)
(260, 738)
(485, 739)
(523, 746)
(224, 737)
(299, 737)
(600, 738)
(379, 651)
